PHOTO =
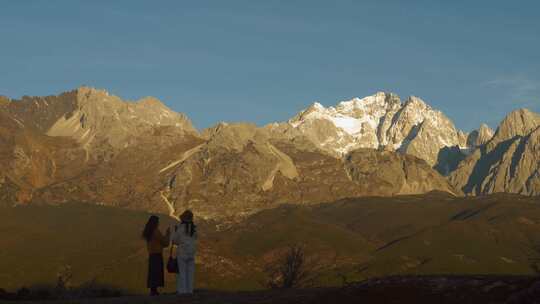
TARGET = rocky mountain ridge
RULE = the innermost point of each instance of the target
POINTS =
(480, 137)
(89, 146)
(380, 121)
(509, 162)
(95, 119)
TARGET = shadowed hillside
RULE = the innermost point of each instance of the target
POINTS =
(354, 239)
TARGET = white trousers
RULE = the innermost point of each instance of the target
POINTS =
(185, 276)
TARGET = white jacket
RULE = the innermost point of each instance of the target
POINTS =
(187, 244)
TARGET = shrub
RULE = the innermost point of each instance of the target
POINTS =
(63, 282)
(293, 269)
(534, 255)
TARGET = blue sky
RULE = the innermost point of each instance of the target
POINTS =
(263, 61)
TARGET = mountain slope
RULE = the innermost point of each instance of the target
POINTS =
(31, 160)
(393, 173)
(380, 121)
(509, 162)
(479, 137)
(242, 169)
(101, 123)
(89, 146)
(352, 238)
(55, 146)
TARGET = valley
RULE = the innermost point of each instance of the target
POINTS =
(373, 188)
(355, 239)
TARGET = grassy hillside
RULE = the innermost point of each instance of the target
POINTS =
(353, 239)
(371, 237)
(97, 242)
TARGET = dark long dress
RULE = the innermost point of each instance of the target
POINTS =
(156, 277)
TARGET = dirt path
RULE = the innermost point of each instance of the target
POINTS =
(402, 290)
(205, 297)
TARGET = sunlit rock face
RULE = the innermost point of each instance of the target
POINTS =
(89, 146)
(380, 121)
(508, 162)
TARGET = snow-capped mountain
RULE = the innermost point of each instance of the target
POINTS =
(87, 145)
(380, 121)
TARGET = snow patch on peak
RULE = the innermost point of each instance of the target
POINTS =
(378, 100)
(348, 124)
(377, 121)
(357, 121)
(317, 106)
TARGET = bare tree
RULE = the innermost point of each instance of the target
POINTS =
(534, 255)
(293, 269)
(64, 278)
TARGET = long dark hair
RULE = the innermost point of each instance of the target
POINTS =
(150, 227)
(187, 220)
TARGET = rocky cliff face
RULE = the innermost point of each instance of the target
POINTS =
(509, 162)
(50, 142)
(30, 160)
(242, 169)
(393, 173)
(89, 146)
(380, 121)
(479, 137)
(101, 123)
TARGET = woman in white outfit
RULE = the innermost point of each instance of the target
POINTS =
(185, 237)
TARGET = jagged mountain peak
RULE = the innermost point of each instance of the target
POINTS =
(234, 135)
(4, 99)
(97, 119)
(485, 132)
(81, 96)
(90, 94)
(150, 101)
(416, 101)
(379, 99)
(480, 136)
(374, 106)
(222, 127)
(509, 161)
(317, 106)
(520, 117)
(485, 128)
(88, 90)
(379, 121)
(519, 122)
(318, 155)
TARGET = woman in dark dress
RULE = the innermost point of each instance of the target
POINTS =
(155, 242)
